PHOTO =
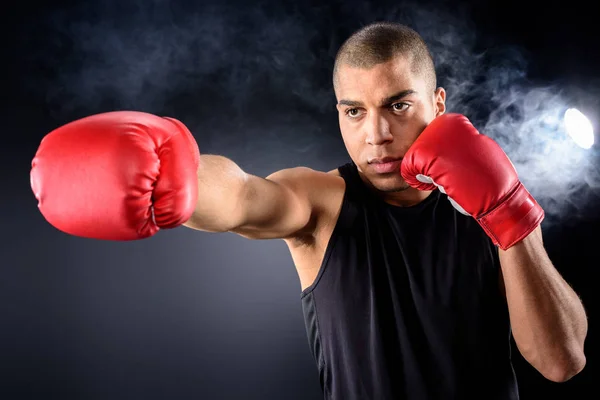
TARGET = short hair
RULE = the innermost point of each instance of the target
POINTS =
(382, 41)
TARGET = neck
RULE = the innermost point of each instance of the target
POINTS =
(406, 196)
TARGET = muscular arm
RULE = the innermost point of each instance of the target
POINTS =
(548, 320)
(231, 200)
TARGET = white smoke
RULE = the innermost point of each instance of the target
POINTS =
(491, 86)
(253, 81)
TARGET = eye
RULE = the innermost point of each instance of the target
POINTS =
(352, 112)
(400, 106)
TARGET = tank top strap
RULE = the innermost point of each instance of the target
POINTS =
(354, 197)
(354, 185)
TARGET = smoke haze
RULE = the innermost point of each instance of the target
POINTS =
(253, 82)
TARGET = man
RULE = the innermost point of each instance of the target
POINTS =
(417, 259)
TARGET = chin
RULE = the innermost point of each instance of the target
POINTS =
(392, 183)
(392, 188)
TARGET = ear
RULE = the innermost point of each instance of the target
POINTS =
(439, 99)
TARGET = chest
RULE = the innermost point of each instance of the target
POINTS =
(438, 258)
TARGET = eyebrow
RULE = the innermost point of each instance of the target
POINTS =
(384, 102)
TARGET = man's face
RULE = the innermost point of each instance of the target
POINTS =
(382, 111)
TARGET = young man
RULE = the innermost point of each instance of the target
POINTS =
(417, 260)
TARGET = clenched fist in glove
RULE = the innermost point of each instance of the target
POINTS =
(477, 176)
(117, 176)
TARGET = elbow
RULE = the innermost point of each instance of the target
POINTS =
(564, 368)
(556, 363)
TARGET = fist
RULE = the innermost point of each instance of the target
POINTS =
(477, 176)
(117, 176)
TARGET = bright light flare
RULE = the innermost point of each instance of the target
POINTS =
(579, 128)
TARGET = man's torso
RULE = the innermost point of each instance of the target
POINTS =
(401, 301)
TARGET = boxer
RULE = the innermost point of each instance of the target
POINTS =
(417, 259)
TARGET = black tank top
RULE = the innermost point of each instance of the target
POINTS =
(407, 304)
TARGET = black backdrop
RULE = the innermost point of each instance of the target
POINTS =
(187, 314)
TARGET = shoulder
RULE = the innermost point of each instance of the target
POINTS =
(299, 172)
(309, 180)
(324, 191)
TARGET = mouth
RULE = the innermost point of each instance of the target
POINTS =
(385, 165)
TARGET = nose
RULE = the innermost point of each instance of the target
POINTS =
(377, 130)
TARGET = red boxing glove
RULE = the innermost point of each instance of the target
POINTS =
(117, 176)
(477, 176)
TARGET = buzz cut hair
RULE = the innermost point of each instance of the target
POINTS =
(380, 42)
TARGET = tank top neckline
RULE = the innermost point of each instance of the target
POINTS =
(377, 200)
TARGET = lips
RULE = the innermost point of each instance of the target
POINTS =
(386, 165)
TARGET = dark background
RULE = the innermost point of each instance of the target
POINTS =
(188, 314)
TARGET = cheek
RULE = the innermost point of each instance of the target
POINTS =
(351, 140)
(407, 131)
(348, 130)
(420, 121)
(430, 113)
(418, 128)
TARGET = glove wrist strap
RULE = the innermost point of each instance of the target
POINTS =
(515, 218)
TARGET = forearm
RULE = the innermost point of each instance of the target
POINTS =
(548, 319)
(221, 184)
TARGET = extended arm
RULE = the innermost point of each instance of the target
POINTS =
(126, 175)
(278, 206)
